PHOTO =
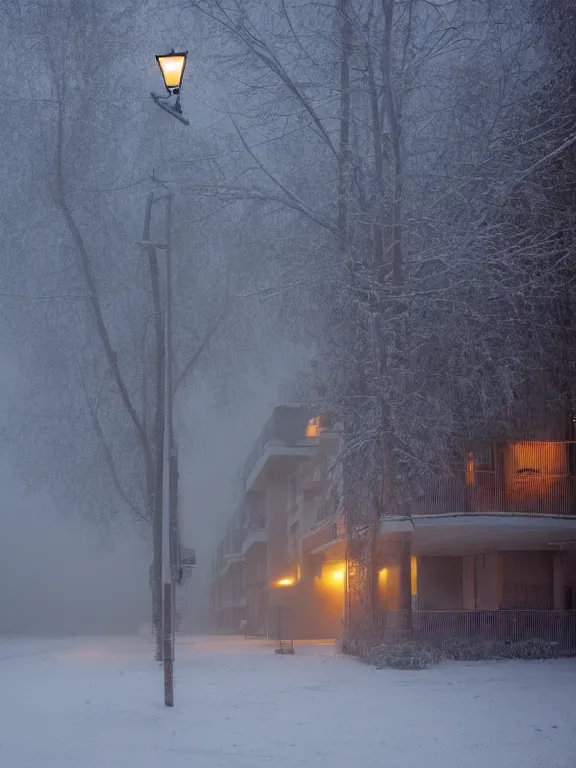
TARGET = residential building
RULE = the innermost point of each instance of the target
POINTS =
(496, 535)
(267, 568)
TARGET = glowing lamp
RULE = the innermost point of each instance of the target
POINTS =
(285, 582)
(172, 66)
(338, 575)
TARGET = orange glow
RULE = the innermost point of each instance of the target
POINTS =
(534, 470)
(414, 575)
(388, 580)
(284, 582)
(313, 427)
(172, 66)
(470, 471)
(338, 575)
(333, 574)
(539, 459)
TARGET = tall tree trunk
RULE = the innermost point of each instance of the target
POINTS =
(344, 141)
(395, 136)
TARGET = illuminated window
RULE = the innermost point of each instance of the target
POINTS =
(414, 575)
(313, 427)
(539, 458)
(470, 471)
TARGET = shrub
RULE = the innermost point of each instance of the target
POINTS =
(411, 654)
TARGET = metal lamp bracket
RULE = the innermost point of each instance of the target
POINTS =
(173, 109)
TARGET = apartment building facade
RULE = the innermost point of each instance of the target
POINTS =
(263, 563)
(496, 535)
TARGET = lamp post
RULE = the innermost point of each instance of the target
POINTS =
(167, 528)
(172, 66)
(176, 561)
(167, 565)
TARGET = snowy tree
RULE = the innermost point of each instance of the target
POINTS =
(81, 297)
(395, 136)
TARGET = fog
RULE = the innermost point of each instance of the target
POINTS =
(61, 574)
(390, 205)
(216, 440)
(58, 577)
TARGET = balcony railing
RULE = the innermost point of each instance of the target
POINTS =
(529, 494)
(313, 477)
(254, 536)
(530, 478)
(320, 536)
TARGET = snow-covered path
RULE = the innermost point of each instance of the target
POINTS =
(96, 703)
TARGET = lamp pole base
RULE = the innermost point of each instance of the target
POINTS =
(168, 629)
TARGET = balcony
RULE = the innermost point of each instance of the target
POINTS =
(523, 478)
(253, 537)
(282, 439)
(327, 535)
(237, 602)
(229, 560)
(528, 493)
(522, 497)
(313, 478)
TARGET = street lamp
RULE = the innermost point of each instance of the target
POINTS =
(172, 66)
(174, 566)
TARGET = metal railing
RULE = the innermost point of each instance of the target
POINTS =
(535, 494)
(441, 628)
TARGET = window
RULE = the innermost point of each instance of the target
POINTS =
(313, 427)
(539, 458)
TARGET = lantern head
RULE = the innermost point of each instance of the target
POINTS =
(172, 66)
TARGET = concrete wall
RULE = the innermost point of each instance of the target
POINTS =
(527, 567)
(527, 580)
(256, 593)
(440, 583)
(524, 580)
(565, 580)
(276, 516)
(328, 607)
(389, 587)
(487, 582)
(469, 583)
(314, 607)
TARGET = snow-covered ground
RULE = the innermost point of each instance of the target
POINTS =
(96, 703)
